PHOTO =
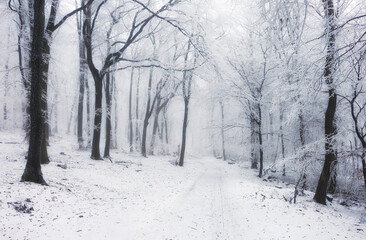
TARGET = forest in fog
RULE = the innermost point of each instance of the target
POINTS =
(278, 86)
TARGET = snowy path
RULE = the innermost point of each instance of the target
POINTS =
(139, 198)
(203, 210)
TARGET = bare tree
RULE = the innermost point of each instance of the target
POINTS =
(137, 27)
(32, 172)
(329, 124)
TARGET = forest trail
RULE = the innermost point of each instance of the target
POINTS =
(136, 198)
(204, 209)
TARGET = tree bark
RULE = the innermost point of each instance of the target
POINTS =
(32, 172)
(155, 126)
(329, 126)
(97, 120)
(186, 89)
(260, 140)
(184, 132)
(149, 108)
(88, 114)
(282, 142)
(253, 142)
(364, 164)
(82, 77)
(108, 127)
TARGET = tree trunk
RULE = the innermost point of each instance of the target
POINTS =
(148, 112)
(32, 172)
(260, 140)
(155, 126)
(6, 87)
(137, 123)
(223, 131)
(108, 117)
(330, 128)
(45, 132)
(144, 133)
(303, 142)
(97, 119)
(164, 130)
(330, 156)
(24, 60)
(253, 142)
(82, 71)
(88, 114)
(184, 132)
(114, 104)
(282, 143)
(364, 164)
(130, 124)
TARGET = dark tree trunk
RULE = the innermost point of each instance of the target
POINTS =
(108, 127)
(330, 156)
(253, 142)
(32, 172)
(97, 119)
(260, 140)
(45, 136)
(144, 133)
(186, 89)
(155, 126)
(282, 142)
(329, 126)
(88, 113)
(149, 108)
(364, 164)
(130, 125)
(184, 132)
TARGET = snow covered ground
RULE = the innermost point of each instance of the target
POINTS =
(149, 198)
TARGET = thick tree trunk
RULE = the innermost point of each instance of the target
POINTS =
(108, 127)
(330, 156)
(97, 119)
(32, 172)
(45, 67)
(329, 126)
